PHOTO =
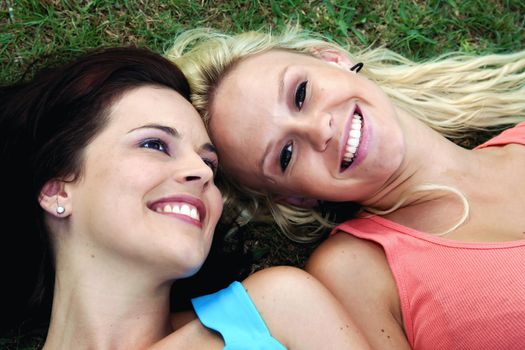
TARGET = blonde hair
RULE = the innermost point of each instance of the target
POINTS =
(456, 94)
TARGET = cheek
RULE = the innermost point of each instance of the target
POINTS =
(117, 184)
(216, 205)
(313, 173)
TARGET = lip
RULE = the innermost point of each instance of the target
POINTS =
(194, 201)
(361, 151)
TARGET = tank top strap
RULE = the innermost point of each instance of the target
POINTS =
(232, 313)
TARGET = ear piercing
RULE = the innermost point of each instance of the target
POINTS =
(357, 67)
(60, 209)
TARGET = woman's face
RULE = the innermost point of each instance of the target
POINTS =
(147, 192)
(297, 125)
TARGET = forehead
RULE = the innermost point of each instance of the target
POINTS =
(156, 105)
(252, 86)
(259, 74)
(273, 58)
(244, 104)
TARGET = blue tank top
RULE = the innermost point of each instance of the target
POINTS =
(232, 313)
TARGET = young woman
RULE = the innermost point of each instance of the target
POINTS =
(435, 259)
(114, 173)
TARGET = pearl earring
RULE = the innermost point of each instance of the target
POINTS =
(357, 67)
(60, 209)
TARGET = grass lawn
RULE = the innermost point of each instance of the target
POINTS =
(417, 29)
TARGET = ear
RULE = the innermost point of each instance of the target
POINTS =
(301, 202)
(54, 196)
(333, 56)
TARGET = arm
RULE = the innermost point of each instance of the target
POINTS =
(297, 309)
(180, 319)
(357, 273)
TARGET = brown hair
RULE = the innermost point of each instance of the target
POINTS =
(45, 124)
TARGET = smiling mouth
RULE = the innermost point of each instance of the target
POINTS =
(184, 207)
(354, 139)
(181, 209)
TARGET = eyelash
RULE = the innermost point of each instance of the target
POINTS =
(300, 95)
(284, 159)
(163, 147)
(213, 164)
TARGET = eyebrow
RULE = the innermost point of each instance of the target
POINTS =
(263, 158)
(168, 130)
(280, 79)
(280, 93)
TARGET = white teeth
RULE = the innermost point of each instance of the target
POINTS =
(184, 209)
(353, 142)
(351, 149)
(354, 137)
(355, 133)
(194, 214)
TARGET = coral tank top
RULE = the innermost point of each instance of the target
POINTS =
(454, 294)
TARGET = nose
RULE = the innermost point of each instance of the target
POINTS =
(194, 172)
(318, 130)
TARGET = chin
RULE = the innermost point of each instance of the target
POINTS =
(190, 271)
(191, 264)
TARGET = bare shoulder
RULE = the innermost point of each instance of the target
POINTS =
(356, 271)
(282, 290)
(301, 312)
(355, 256)
(276, 280)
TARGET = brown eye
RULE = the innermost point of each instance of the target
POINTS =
(300, 95)
(155, 144)
(286, 156)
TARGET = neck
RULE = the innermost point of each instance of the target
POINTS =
(430, 159)
(106, 308)
(480, 210)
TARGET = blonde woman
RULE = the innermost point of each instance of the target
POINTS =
(435, 258)
(112, 172)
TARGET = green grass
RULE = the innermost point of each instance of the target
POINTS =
(417, 29)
